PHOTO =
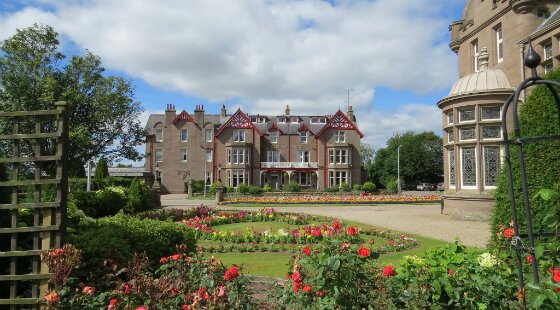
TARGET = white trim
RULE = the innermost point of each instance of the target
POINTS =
(183, 155)
(449, 152)
(186, 135)
(206, 135)
(159, 131)
(475, 168)
(490, 139)
(461, 135)
(501, 149)
(468, 121)
(275, 134)
(490, 119)
(475, 55)
(156, 155)
(499, 43)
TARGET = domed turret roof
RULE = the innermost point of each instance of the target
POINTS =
(485, 80)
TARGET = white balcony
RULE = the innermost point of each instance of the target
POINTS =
(289, 164)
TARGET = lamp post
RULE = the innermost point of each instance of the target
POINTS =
(399, 170)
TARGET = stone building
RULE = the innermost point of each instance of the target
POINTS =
(315, 151)
(490, 42)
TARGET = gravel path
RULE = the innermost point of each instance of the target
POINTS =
(422, 220)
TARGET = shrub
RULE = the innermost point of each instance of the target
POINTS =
(101, 170)
(392, 187)
(77, 185)
(119, 237)
(332, 189)
(119, 181)
(345, 187)
(242, 188)
(292, 187)
(85, 201)
(197, 186)
(267, 188)
(109, 201)
(538, 117)
(369, 187)
(138, 197)
(255, 190)
(229, 189)
(357, 187)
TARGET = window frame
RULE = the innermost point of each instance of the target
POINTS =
(338, 134)
(183, 155)
(487, 139)
(303, 137)
(206, 131)
(186, 131)
(451, 182)
(271, 155)
(499, 43)
(467, 121)
(304, 156)
(475, 168)
(239, 135)
(500, 163)
(208, 152)
(160, 151)
(476, 54)
(547, 56)
(271, 135)
(159, 132)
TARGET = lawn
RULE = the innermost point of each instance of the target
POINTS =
(275, 264)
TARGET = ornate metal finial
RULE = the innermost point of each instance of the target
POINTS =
(532, 59)
(483, 59)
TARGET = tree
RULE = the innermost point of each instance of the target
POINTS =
(101, 170)
(366, 153)
(103, 114)
(421, 158)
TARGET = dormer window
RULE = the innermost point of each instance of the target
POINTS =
(322, 120)
(303, 137)
(253, 119)
(273, 137)
(261, 120)
(281, 119)
(295, 119)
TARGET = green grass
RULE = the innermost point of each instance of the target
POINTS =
(275, 264)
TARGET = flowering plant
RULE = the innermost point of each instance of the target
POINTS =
(333, 199)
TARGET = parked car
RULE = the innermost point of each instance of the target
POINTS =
(440, 186)
(425, 187)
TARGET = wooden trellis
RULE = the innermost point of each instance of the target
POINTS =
(35, 147)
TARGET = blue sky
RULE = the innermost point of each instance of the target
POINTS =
(264, 54)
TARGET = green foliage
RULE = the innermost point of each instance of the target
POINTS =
(229, 189)
(366, 153)
(85, 201)
(357, 187)
(369, 187)
(392, 187)
(538, 117)
(242, 188)
(138, 197)
(332, 189)
(34, 75)
(119, 237)
(101, 169)
(255, 190)
(345, 187)
(110, 200)
(292, 187)
(197, 186)
(421, 159)
(267, 188)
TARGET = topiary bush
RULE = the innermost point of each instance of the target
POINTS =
(138, 197)
(242, 188)
(332, 189)
(369, 187)
(345, 187)
(110, 201)
(538, 116)
(267, 188)
(392, 187)
(255, 190)
(357, 187)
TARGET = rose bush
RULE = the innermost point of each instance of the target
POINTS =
(333, 199)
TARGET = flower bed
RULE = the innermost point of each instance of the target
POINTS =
(333, 199)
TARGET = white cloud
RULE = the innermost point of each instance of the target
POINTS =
(380, 126)
(306, 53)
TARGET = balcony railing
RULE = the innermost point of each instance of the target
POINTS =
(289, 164)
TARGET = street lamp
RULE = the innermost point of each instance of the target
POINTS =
(399, 170)
(220, 172)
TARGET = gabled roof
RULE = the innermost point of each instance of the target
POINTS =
(184, 116)
(303, 127)
(340, 121)
(274, 128)
(238, 120)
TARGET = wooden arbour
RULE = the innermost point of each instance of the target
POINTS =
(33, 149)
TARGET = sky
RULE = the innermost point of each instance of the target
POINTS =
(261, 55)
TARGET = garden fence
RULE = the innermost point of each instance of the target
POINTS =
(33, 151)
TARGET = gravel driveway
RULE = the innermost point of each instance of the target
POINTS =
(422, 220)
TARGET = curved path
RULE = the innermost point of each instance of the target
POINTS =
(422, 220)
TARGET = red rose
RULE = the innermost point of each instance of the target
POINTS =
(306, 289)
(51, 298)
(320, 293)
(351, 231)
(336, 225)
(163, 260)
(57, 253)
(529, 259)
(88, 290)
(450, 272)
(344, 247)
(231, 273)
(316, 232)
(555, 274)
(508, 233)
(175, 257)
(363, 252)
(141, 308)
(388, 271)
(296, 285)
(306, 251)
(296, 276)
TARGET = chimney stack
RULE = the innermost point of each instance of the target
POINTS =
(199, 114)
(287, 112)
(170, 113)
(350, 114)
(223, 111)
